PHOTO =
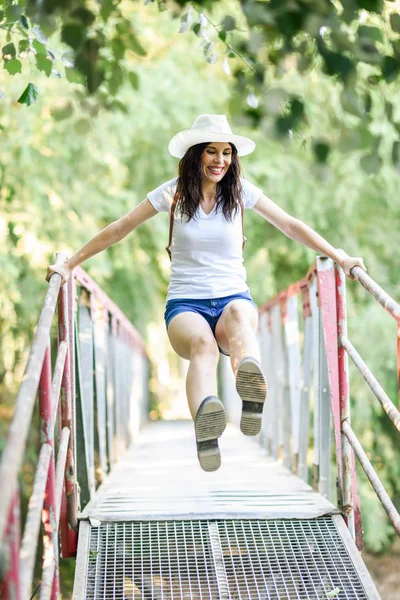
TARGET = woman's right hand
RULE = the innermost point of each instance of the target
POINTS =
(64, 270)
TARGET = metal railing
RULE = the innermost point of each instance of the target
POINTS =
(345, 346)
(304, 352)
(90, 409)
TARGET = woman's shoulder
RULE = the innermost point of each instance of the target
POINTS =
(250, 193)
(162, 196)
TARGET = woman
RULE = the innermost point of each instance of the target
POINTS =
(209, 308)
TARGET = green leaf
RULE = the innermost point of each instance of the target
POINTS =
(371, 5)
(370, 33)
(186, 21)
(24, 21)
(136, 46)
(395, 22)
(94, 79)
(374, 79)
(85, 16)
(296, 109)
(222, 35)
(73, 35)
(134, 80)
(117, 105)
(390, 69)
(13, 13)
(39, 47)
(9, 51)
(337, 64)
(321, 151)
(23, 46)
(73, 75)
(44, 64)
(367, 102)
(11, 232)
(396, 155)
(396, 49)
(29, 95)
(118, 48)
(107, 7)
(13, 66)
(228, 23)
(116, 79)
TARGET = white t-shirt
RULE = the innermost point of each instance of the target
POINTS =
(207, 259)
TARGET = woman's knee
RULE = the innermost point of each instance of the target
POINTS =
(238, 312)
(204, 345)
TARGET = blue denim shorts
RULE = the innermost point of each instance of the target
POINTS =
(211, 309)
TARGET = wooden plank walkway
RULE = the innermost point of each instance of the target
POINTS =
(160, 478)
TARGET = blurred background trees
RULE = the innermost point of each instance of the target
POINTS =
(90, 94)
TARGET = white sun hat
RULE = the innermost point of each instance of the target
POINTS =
(209, 128)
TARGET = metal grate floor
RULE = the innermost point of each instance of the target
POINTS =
(221, 560)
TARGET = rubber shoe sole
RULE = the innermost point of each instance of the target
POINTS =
(209, 425)
(252, 389)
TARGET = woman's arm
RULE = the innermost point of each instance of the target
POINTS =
(299, 231)
(108, 236)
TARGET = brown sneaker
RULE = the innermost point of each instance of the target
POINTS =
(209, 425)
(252, 389)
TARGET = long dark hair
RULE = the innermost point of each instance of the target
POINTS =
(229, 189)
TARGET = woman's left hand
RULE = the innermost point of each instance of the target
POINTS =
(348, 262)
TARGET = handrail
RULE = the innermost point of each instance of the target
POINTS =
(388, 406)
(24, 404)
(376, 483)
(91, 330)
(388, 303)
(325, 349)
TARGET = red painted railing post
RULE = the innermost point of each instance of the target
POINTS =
(68, 520)
(327, 303)
(351, 502)
(50, 536)
(10, 587)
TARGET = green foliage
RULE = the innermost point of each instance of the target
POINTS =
(356, 44)
(75, 162)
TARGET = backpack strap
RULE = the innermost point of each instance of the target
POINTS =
(243, 236)
(171, 224)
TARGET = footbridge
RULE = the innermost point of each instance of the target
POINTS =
(126, 498)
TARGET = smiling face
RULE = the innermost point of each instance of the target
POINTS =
(215, 161)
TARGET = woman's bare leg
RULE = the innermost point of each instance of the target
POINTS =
(236, 331)
(192, 339)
